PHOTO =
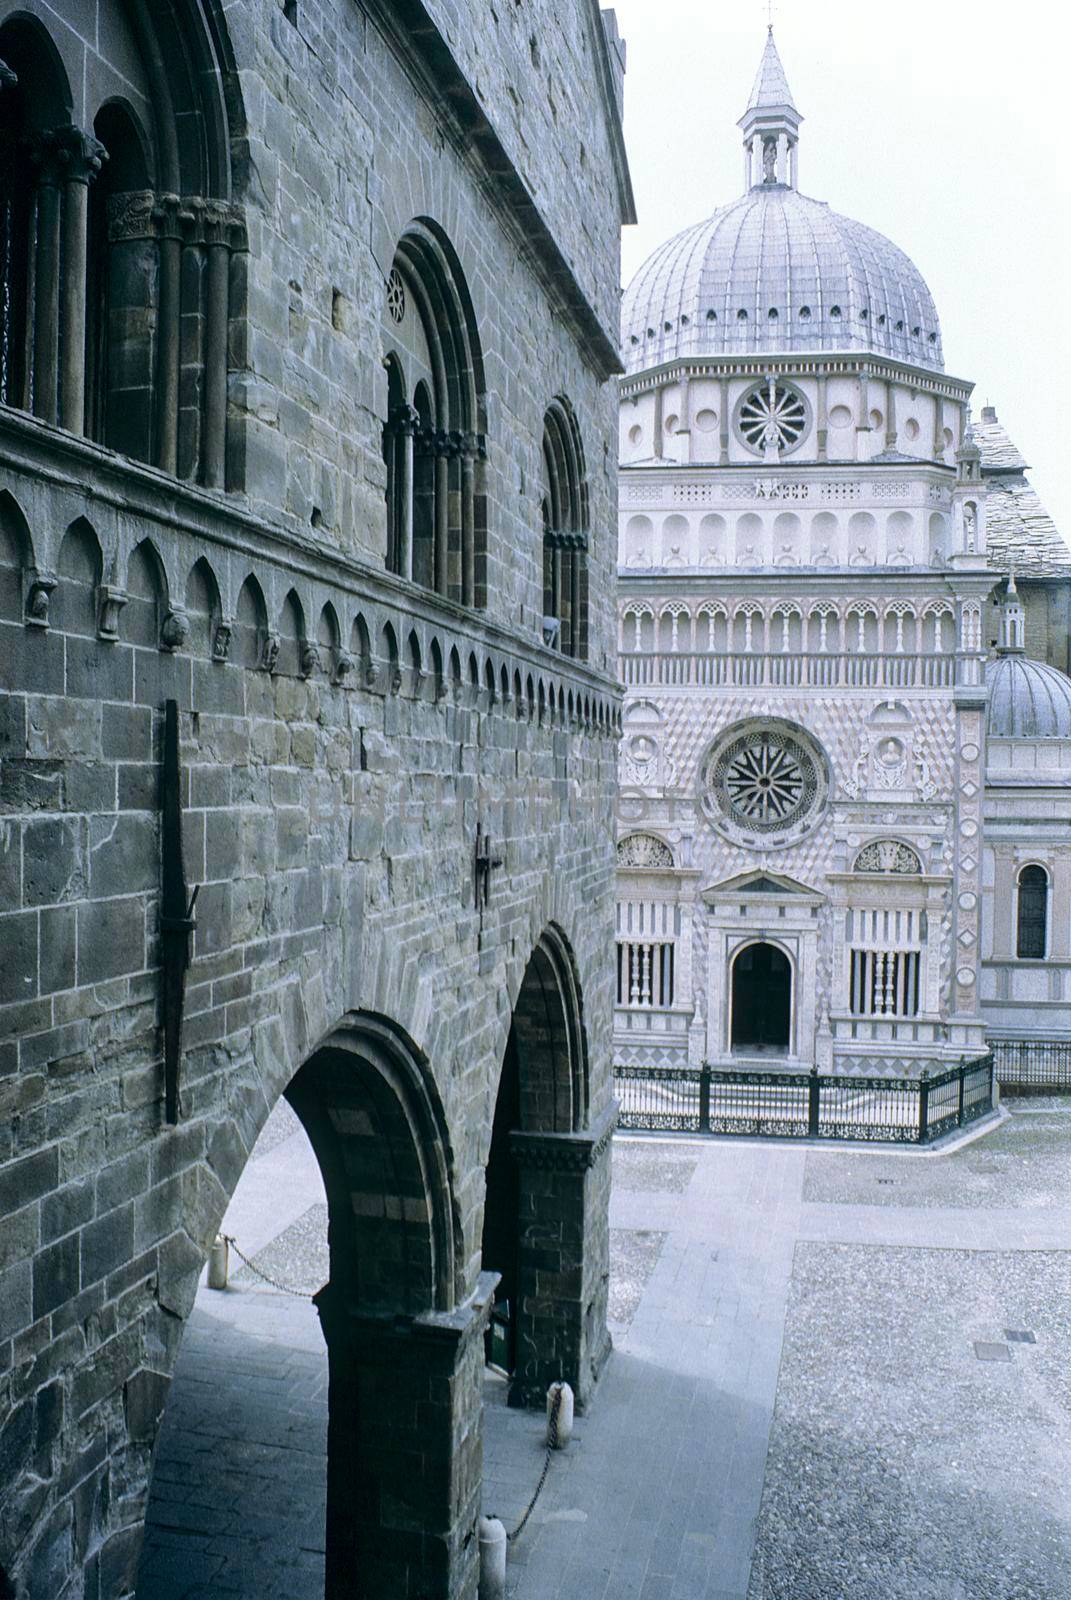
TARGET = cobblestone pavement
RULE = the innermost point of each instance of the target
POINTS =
(823, 1386)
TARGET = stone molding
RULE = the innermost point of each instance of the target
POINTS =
(564, 1152)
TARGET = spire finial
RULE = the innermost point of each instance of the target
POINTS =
(1012, 621)
(771, 123)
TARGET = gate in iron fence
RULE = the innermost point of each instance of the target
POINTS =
(804, 1105)
(1033, 1066)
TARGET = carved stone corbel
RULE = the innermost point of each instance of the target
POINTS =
(112, 601)
(175, 631)
(221, 641)
(38, 596)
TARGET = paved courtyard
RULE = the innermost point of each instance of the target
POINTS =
(838, 1373)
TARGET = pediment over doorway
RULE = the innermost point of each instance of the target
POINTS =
(763, 886)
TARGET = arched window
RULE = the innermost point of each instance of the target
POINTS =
(117, 286)
(565, 533)
(1032, 931)
(433, 443)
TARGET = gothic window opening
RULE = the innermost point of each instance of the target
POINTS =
(1033, 908)
(118, 283)
(565, 533)
(433, 441)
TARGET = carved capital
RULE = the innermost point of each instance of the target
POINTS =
(38, 596)
(564, 1152)
(132, 215)
(78, 156)
(309, 659)
(343, 667)
(112, 601)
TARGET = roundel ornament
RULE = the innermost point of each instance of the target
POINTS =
(764, 784)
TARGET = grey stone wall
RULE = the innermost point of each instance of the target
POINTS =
(331, 816)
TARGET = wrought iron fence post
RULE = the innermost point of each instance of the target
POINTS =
(962, 1077)
(704, 1098)
(813, 1093)
(924, 1107)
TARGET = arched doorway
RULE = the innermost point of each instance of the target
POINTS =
(761, 1001)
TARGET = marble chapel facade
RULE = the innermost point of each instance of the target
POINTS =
(808, 841)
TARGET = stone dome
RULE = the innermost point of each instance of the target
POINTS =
(776, 272)
(1027, 699)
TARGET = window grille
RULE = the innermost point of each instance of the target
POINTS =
(885, 983)
(645, 975)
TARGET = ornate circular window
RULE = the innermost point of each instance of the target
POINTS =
(764, 783)
(772, 416)
(395, 295)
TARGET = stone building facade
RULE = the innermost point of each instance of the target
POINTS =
(807, 601)
(306, 605)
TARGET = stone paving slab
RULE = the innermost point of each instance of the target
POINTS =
(901, 1466)
(882, 1291)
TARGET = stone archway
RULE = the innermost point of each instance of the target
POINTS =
(545, 1218)
(404, 1358)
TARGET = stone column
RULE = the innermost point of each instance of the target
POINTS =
(823, 416)
(723, 407)
(562, 1259)
(169, 226)
(863, 425)
(82, 157)
(468, 521)
(404, 1448)
(938, 428)
(46, 307)
(217, 314)
(658, 422)
(684, 424)
(892, 433)
(574, 595)
(441, 564)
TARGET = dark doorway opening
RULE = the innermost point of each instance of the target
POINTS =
(501, 1221)
(762, 1001)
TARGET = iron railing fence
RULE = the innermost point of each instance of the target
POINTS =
(1033, 1066)
(802, 1105)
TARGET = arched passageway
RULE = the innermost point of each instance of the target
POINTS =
(404, 1360)
(547, 1185)
(761, 1001)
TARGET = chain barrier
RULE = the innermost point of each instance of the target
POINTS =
(299, 1294)
(552, 1445)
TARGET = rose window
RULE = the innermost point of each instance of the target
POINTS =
(773, 415)
(764, 783)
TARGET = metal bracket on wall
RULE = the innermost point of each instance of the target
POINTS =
(176, 910)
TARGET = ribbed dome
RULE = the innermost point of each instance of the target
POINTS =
(776, 272)
(1027, 699)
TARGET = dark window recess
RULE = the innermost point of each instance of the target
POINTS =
(1033, 913)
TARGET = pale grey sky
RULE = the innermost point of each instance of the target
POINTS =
(941, 125)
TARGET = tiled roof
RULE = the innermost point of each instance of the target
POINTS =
(1020, 534)
(999, 452)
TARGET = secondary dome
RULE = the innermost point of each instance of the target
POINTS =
(776, 272)
(1027, 699)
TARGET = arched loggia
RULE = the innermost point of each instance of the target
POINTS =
(404, 1356)
(547, 1172)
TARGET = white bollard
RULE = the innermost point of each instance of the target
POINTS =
(492, 1537)
(558, 1436)
(217, 1264)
